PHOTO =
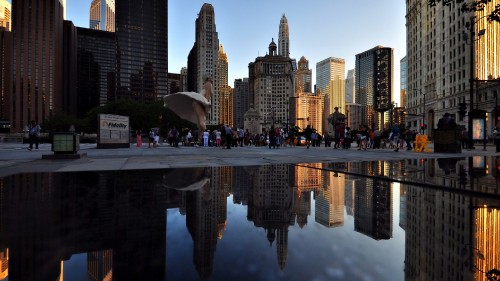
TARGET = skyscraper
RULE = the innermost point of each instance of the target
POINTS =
(5, 10)
(304, 77)
(330, 81)
(271, 86)
(102, 15)
(5, 72)
(226, 114)
(203, 59)
(403, 64)
(241, 101)
(141, 30)
(374, 78)
(37, 61)
(350, 86)
(284, 38)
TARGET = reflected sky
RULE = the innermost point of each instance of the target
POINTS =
(387, 220)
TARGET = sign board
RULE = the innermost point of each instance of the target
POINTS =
(114, 131)
(478, 129)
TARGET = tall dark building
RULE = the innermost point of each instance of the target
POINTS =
(5, 71)
(241, 101)
(374, 78)
(96, 68)
(69, 104)
(37, 31)
(141, 29)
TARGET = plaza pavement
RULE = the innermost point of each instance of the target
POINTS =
(15, 158)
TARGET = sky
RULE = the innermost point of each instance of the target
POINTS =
(318, 29)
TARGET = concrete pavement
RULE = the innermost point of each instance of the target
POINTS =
(15, 158)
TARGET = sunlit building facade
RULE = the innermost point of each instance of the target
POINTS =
(226, 97)
(5, 15)
(102, 15)
(303, 79)
(350, 86)
(330, 80)
(439, 58)
(308, 109)
(271, 86)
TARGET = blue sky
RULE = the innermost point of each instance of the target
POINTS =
(318, 29)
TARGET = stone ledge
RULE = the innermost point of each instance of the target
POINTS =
(63, 156)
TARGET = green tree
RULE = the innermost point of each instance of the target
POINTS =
(472, 6)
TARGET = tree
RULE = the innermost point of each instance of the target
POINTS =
(473, 6)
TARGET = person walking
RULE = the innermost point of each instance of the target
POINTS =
(496, 138)
(138, 138)
(395, 136)
(205, 138)
(308, 132)
(34, 134)
(151, 138)
(229, 136)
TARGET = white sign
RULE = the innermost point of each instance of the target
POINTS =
(114, 129)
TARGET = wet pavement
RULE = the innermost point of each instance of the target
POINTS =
(15, 158)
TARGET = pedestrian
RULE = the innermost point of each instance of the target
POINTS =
(229, 136)
(205, 138)
(496, 138)
(151, 137)
(138, 138)
(156, 138)
(308, 131)
(395, 136)
(34, 134)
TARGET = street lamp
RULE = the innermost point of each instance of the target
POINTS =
(471, 26)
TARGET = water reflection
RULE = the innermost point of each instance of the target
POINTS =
(280, 222)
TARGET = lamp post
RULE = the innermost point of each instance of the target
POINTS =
(472, 32)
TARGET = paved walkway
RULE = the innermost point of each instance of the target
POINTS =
(15, 158)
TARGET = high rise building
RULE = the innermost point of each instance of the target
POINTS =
(5, 73)
(203, 60)
(184, 83)
(5, 11)
(308, 111)
(374, 78)
(403, 64)
(330, 80)
(96, 68)
(241, 101)
(284, 38)
(303, 77)
(37, 61)
(141, 29)
(350, 86)
(271, 86)
(439, 62)
(226, 102)
(102, 15)
(70, 49)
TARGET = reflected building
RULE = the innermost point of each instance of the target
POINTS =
(330, 200)
(4, 263)
(86, 212)
(487, 238)
(373, 205)
(271, 206)
(349, 195)
(141, 30)
(100, 265)
(305, 180)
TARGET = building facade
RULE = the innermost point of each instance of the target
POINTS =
(374, 84)
(37, 61)
(241, 101)
(271, 86)
(5, 14)
(102, 15)
(226, 98)
(284, 38)
(439, 70)
(203, 60)
(96, 68)
(330, 81)
(141, 29)
(350, 86)
(303, 79)
(308, 111)
(5, 72)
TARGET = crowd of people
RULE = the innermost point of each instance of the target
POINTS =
(227, 137)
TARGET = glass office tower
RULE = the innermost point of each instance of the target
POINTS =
(141, 30)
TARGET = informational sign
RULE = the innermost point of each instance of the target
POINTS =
(114, 131)
(478, 129)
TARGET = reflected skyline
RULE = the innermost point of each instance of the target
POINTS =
(118, 218)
